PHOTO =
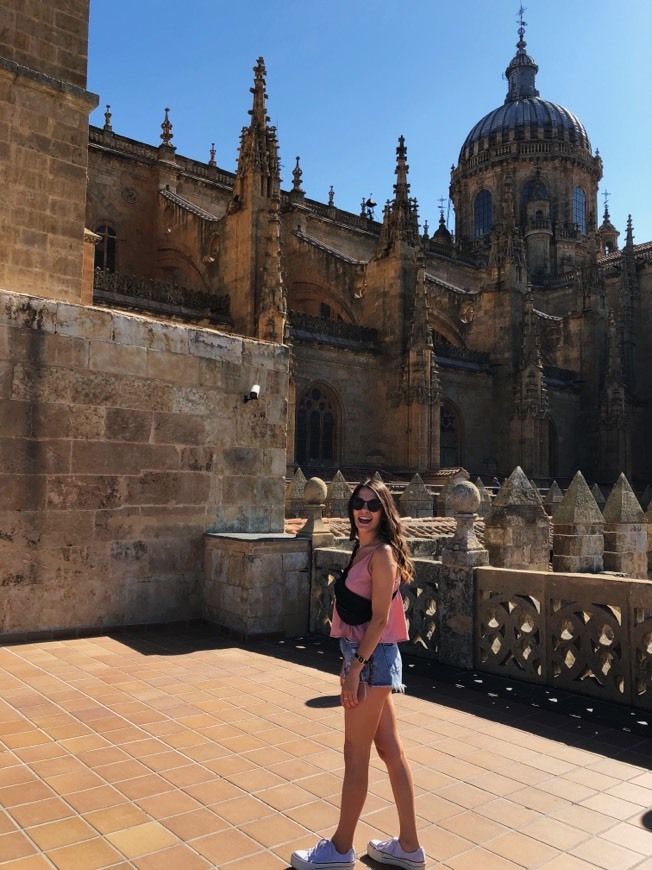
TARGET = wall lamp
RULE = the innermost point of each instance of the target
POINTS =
(253, 393)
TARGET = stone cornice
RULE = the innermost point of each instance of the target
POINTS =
(42, 81)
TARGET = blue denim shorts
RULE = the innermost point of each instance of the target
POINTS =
(384, 668)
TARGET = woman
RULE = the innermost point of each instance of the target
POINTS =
(370, 674)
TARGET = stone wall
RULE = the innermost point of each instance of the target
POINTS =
(44, 146)
(123, 440)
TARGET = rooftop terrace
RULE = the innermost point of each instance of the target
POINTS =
(171, 747)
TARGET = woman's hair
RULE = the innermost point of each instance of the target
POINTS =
(390, 528)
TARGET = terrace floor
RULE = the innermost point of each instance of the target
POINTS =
(174, 748)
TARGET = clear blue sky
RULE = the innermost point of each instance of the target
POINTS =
(345, 78)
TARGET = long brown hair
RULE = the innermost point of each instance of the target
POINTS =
(390, 528)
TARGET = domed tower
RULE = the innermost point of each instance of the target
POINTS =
(526, 171)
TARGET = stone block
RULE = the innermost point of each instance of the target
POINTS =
(217, 346)
(15, 418)
(179, 429)
(85, 492)
(122, 359)
(84, 323)
(197, 459)
(175, 368)
(22, 492)
(128, 425)
(153, 487)
(35, 456)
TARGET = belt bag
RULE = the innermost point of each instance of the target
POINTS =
(352, 609)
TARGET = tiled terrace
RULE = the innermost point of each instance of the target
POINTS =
(171, 748)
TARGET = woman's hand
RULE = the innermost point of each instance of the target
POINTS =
(350, 686)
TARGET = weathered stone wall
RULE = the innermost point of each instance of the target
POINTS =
(44, 146)
(257, 584)
(123, 440)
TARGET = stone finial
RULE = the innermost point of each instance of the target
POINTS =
(315, 528)
(625, 532)
(337, 496)
(331, 197)
(444, 508)
(554, 497)
(598, 495)
(485, 498)
(295, 503)
(536, 490)
(416, 500)
(107, 120)
(167, 135)
(517, 529)
(378, 477)
(212, 161)
(578, 526)
(578, 504)
(464, 549)
(622, 505)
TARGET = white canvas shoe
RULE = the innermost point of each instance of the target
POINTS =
(323, 856)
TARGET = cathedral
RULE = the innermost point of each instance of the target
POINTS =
(518, 337)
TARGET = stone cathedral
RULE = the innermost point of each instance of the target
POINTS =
(516, 337)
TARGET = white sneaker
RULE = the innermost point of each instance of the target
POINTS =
(390, 852)
(323, 856)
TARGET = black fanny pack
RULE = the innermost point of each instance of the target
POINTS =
(352, 609)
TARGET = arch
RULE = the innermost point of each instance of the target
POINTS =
(105, 249)
(176, 267)
(318, 427)
(316, 301)
(482, 213)
(579, 210)
(450, 435)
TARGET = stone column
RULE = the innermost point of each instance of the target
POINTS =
(460, 556)
(416, 500)
(337, 496)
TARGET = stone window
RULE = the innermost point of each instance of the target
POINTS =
(579, 210)
(450, 430)
(105, 249)
(317, 427)
(482, 211)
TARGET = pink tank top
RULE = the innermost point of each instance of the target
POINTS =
(359, 581)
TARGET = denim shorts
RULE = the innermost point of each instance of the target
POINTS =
(384, 668)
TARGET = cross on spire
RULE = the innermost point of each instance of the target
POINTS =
(522, 24)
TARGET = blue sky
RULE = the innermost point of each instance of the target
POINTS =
(345, 78)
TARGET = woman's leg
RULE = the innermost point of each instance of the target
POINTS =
(390, 750)
(360, 726)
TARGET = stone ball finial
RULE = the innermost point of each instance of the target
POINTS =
(465, 497)
(315, 491)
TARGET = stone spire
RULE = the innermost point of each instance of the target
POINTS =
(530, 418)
(167, 135)
(297, 194)
(607, 232)
(272, 309)
(258, 143)
(400, 219)
(628, 312)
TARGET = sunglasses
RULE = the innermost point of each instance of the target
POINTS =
(373, 504)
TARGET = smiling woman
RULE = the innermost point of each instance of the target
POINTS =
(370, 625)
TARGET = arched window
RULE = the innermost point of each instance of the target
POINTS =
(317, 427)
(449, 441)
(482, 211)
(105, 248)
(579, 210)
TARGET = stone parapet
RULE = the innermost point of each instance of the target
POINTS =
(256, 585)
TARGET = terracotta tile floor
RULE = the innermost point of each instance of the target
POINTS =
(172, 748)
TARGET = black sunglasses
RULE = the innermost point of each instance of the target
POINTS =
(373, 504)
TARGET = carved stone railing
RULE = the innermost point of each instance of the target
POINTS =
(578, 633)
(463, 354)
(419, 600)
(331, 331)
(128, 291)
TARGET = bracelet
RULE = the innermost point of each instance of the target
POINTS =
(360, 659)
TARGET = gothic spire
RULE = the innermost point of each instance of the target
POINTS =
(258, 144)
(531, 395)
(400, 218)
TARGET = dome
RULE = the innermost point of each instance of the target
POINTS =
(524, 113)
